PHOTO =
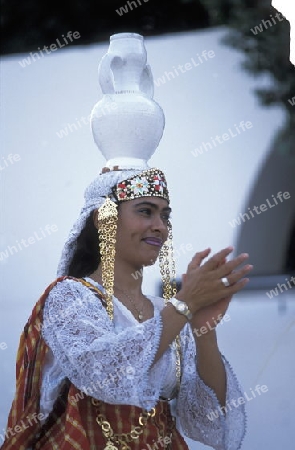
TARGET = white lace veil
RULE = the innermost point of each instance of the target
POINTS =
(94, 197)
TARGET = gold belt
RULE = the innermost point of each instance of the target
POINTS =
(116, 441)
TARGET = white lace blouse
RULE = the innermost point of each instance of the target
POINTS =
(112, 361)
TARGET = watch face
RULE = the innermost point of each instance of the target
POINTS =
(182, 308)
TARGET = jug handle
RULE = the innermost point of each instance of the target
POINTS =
(146, 81)
(105, 74)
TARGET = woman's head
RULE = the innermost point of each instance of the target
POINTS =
(142, 228)
(127, 189)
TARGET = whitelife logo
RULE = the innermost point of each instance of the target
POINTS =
(205, 146)
(9, 160)
(129, 6)
(259, 209)
(98, 385)
(75, 126)
(207, 327)
(267, 23)
(182, 68)
(29, 421)
(162, 442)
(274, 292)
(24, 243)
(53, 47)
(236, 403)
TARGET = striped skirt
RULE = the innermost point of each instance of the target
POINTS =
(102, 426)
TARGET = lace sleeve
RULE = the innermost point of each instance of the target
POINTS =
(113, 366)
(200, 416)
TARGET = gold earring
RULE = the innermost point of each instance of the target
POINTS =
(107, 229)
(167, 266)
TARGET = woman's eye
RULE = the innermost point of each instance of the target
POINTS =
(148, 212)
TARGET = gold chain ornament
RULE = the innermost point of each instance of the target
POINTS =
(114, 439)
(107, 229)
(168, 274)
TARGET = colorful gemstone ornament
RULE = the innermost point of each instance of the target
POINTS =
(149, 183)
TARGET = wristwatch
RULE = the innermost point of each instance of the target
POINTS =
(181, 307)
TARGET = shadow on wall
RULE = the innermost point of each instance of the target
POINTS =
(268, 231)
(267, 223)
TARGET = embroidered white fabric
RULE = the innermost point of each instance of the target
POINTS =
(199, 414)
(112, 361)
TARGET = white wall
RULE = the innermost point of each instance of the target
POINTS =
(46, 185)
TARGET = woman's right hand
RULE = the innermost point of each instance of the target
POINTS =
(202, 285)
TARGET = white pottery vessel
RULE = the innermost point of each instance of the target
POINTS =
(127, 124)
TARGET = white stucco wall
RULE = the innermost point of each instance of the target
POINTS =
(45, 185)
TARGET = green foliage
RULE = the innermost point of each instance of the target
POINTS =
(266, 50)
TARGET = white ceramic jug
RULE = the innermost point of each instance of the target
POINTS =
(127, 124)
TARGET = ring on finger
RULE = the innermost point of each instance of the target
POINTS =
(225, 281)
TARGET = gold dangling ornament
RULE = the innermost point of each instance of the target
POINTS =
(107, 229)
(110, 446)
(167, 266)
(168, 274)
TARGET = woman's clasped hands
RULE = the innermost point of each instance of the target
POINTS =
(208, 288)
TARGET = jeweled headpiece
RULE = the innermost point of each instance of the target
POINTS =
(127, 126)
(150, 183)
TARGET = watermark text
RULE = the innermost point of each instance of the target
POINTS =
(264, 24)
(208, 327)
(46, 50)
(9, 160)
(183, 68)
(75, 126)
(18, 246)
(282, 287)
(129, 6)
(24, 424)
(220, 139)
(259, 209)
(259, 390)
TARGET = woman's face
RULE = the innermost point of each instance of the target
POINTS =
(142, 230)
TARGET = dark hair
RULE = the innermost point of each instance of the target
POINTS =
(86, 257)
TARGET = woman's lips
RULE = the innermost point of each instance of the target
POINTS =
(153, 241)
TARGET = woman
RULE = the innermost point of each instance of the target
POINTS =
(101, 365)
